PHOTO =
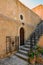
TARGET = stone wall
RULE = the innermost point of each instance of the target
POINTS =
(14, 8)
(11, 22)
(11, 28)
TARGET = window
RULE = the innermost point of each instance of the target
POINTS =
(21, 17)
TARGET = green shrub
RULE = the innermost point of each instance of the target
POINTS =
(31, 54)
(41, 51)
(37, 52)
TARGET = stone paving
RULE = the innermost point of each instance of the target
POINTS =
(12, 60)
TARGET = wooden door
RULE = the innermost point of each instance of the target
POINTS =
(21, 36)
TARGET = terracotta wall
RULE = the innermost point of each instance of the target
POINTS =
(40, 42)
(39, 11)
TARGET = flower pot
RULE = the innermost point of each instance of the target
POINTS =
(39, 60)
(32, 60)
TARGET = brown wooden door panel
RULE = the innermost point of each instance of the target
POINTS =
(21, 36)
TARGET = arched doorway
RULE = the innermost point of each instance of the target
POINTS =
(21, 36)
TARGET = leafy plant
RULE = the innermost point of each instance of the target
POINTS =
(34, 55)
(31, 55)
(41, 51)
(37, 53)
(36, 47)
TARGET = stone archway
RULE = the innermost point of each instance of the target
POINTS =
(21, 36)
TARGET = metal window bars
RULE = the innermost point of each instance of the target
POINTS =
(12, 44)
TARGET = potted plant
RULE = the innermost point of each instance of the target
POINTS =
(41, 50)
(32, 57)
(38, 54)
(40, 59)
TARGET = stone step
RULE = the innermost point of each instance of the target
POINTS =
(27, 43)
(27, 46)
(23, 52)
(25, 49)
(24, 57)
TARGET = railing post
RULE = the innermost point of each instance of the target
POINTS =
(31, 45)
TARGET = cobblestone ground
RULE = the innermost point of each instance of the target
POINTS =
(13, 60)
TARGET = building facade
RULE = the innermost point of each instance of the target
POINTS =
(39, 10)
(17, 22)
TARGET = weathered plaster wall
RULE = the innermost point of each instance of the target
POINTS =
(10, 22)
(14, 8)
(10, 27)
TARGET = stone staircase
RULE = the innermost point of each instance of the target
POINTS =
(30, 43)
(23, 52)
